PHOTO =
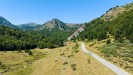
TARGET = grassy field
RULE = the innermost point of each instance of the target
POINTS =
(16, 63)
(67, 60)
(120, 54)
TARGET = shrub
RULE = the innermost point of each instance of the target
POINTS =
(3, 66)
(62, 54)
(26, 51)
(71, 55)
(110, 50)
(89, 61)
(108, 41)
(76, 51)
(0, 63)
(121, 40)
(65, 63)
(91, 45)
(73, 66)
(30, 53)
(76, 46)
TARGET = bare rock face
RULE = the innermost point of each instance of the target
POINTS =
(76, 33)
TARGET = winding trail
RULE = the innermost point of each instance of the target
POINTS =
(114, 68)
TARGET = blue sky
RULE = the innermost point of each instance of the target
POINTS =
(69, 11)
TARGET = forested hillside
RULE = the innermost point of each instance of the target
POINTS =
(12, 39)
(121, 28)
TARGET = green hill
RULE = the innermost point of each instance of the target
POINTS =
(120, 27)
(12, 39)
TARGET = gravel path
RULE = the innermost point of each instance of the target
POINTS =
(114, 68)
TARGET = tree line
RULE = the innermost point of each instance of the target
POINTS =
(13, 39)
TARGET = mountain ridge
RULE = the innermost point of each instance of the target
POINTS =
(49, 25)
(114, 12)
(28, 26)
(5, 22)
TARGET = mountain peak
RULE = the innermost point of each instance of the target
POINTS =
(55, 19)
(54, 24)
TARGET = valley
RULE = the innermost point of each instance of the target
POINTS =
(100, 46)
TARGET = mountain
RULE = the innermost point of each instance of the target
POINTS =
(5, 22)
(103, 23)
(114, 12)
(28, 26)
(53, 24)
(120, 26)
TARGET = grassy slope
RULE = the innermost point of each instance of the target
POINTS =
(18, 63)
(53, 63)
(120, 49)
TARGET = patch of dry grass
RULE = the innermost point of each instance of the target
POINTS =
(67, 60)
(53, 64)
(16, 63)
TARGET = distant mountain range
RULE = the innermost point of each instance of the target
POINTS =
(57, 24)
(28, 26)
(50, 25)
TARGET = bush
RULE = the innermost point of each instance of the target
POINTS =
(76, 46)
(110, 50)
(3, 66)
(73, 66)
(89, 61)
(108, 41)
(0, 63)
(76, 51)
(91, 45)
(65, 63)
(62, 54)
(30, 53)
(71, 55)
(121, 40)
(26, 51)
